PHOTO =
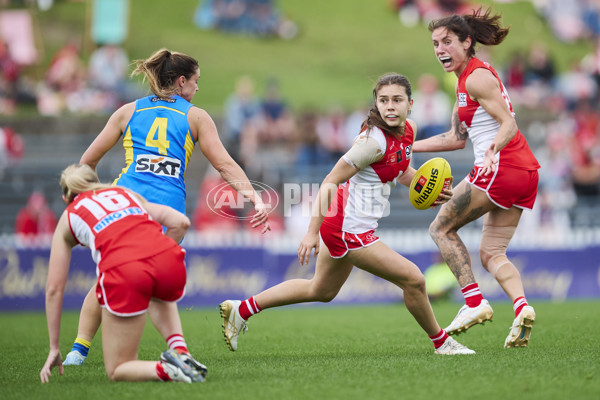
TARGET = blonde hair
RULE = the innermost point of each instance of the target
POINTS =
(79, 178)
(163, 68)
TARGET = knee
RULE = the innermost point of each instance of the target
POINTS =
(111, 373)
(434, 228)
(485, 258)
(324, 294)
(415, 282)
(437, 230)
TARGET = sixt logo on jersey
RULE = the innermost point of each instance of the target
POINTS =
(159, 165)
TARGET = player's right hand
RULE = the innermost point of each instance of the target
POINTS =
(54, 360)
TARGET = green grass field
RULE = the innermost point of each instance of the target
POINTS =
(330, 352)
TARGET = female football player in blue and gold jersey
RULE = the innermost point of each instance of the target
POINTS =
(159, 134)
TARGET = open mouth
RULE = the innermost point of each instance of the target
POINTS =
(446, 61)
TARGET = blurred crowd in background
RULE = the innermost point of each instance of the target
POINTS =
(559, 112)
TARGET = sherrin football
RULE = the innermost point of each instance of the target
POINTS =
(428, 182)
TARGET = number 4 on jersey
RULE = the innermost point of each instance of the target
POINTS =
(157, 136)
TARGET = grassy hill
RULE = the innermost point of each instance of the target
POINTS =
(343, 45)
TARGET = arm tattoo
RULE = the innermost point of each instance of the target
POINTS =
(459, 129)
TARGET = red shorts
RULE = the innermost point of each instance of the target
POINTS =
(126, 290)
(339, 242)
(507, 186)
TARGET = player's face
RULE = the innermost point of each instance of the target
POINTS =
(393, 104)
(449, 50)
(190, 86)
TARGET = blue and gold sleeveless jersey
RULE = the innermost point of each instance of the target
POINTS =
(158, 146)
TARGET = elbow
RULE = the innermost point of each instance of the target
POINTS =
(54, 291)
(185, 223)
(225, 167)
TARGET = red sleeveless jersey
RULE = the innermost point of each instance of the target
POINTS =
(482, 128)
(115, 226)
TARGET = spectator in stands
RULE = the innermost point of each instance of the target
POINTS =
(514, 77)
(241, 108)
(9, 76)
(108, 74)
(12, 148)
(586, 150)
(311, 155)
(248, 17)
(576, 86)
(267, 143)
(65, 76)
(331, 129)
(36, 218)
(432, 109)
(66, 72)
(540, 74)
(540, 65)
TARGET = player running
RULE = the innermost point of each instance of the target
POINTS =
(503, 181)
(351, 200)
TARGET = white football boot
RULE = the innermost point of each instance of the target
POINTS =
(177, 369)
(74, 358)
(521, 329)
(469, 316)
(451, 347)
(233, 323)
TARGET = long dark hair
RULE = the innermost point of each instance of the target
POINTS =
(481, 26)
(374, 119)
(162, 70)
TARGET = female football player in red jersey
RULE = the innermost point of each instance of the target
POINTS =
(503, 180)
(159, 133)
(137, 265)
(351, 200)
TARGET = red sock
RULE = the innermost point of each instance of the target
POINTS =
(248, 308)
(177, 342)
(472, 295)
(439, 339)
(518, 305)
(160, 372)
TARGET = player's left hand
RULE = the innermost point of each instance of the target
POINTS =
(445, 195)
(261, 218)
(54, 360)
(490, 161)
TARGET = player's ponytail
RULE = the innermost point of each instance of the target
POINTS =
(163, 68)
(79, 178)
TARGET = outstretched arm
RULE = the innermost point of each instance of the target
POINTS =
(58, 270)
(341, 172)
(454, 139)
(212, 147)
